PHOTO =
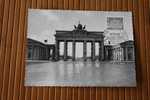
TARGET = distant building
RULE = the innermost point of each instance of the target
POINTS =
(39, 51)
(124, 51)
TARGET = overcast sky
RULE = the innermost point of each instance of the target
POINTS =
(42, 24)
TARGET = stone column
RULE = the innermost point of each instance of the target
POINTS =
(126, 49)
(113, 54)
(36, 52)
(118, 54)
(42, 52)
(133, 54)
(57, 50)
(122, 54)
(47, 53)
(73, 50)
(93, 50)
(102, 50)
(53, 53)
(84, 50)
(39, 53)
(50, 55)
(65, 50)
(32, 52)
(100, 53)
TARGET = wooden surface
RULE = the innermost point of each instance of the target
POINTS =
(13, 30)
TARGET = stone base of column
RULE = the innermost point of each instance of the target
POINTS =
(65, 58)
(93, 59)
(84, 59)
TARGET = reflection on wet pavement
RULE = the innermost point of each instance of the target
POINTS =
(79, 73)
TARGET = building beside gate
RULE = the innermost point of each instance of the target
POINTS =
(37, 50)
(124, 51)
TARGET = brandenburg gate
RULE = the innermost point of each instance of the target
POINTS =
(79, 34)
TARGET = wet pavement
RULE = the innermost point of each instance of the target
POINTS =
(79, 73)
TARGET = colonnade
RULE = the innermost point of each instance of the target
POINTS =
(123, 54)
(93, 57)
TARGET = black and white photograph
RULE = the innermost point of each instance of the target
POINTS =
(80, 48)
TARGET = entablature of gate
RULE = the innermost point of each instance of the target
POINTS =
(79, 35)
